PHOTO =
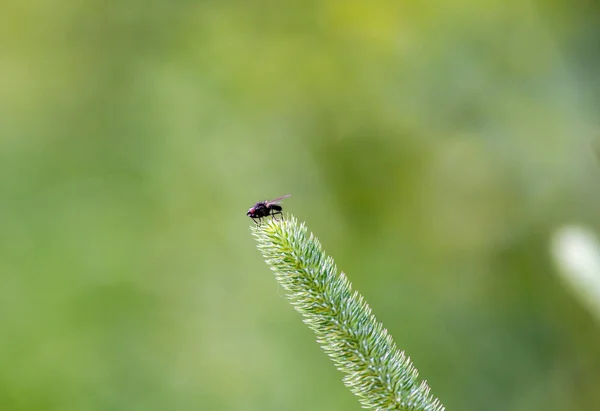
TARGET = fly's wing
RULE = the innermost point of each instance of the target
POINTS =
(278, 199)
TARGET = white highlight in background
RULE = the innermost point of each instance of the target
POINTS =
(577, 254)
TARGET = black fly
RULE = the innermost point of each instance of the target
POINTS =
(266, 208)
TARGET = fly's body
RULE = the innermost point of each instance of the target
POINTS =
(266, 208)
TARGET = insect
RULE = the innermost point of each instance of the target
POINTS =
(266, 208)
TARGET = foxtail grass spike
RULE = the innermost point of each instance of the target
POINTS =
(375, 370)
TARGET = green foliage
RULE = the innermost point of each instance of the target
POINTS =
(376, 371)
(446, 141)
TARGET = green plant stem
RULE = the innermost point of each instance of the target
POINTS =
(375, 370)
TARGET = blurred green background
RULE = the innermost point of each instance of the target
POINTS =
(433, 147)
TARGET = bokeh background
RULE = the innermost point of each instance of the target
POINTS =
(435, 148)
